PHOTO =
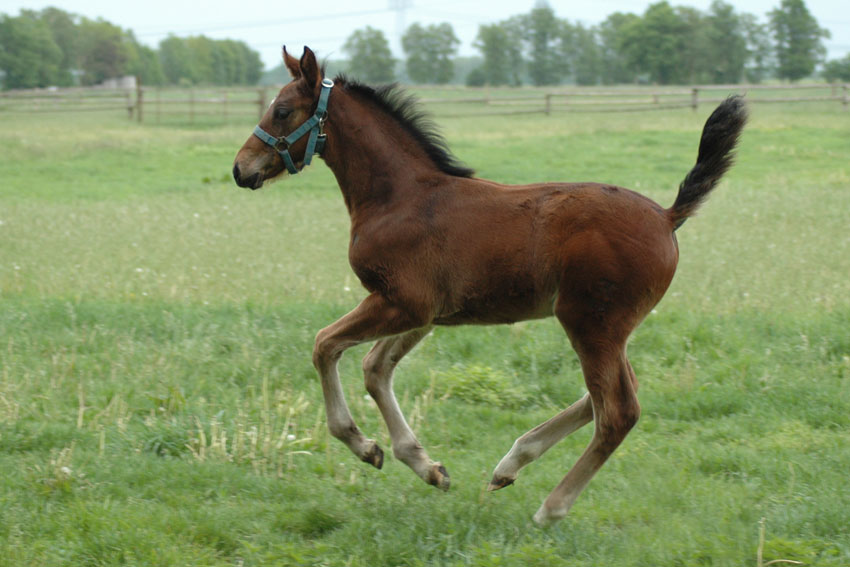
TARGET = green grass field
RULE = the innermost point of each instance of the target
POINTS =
(158, 405)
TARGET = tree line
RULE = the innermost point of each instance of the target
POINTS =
(52, 47)
(665, 45)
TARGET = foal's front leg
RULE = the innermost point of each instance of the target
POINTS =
(378, 369)
(374, 318)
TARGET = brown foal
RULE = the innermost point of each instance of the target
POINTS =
(434, 245)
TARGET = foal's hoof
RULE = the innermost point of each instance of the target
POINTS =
(374, 456)
(499, 482)
(438, 476)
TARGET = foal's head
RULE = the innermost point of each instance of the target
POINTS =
(257, 161)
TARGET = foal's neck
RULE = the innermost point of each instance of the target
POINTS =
(374, 159)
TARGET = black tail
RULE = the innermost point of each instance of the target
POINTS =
(715, 157)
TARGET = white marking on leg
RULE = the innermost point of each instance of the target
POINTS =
(537, 441)
(378, 368)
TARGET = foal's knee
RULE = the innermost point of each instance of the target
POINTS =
(324, 350)
(378, 366)
(373, 372)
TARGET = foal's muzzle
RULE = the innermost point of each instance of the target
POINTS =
(251, 181)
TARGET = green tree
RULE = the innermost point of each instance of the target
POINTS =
(105, 51)
(174, 57)
(429, 52)
(759, 61)
(63, 28)
(234, 63)
(543, 34)
(797, 39)
(728, 43)
(250, 64)
(29, 57)
(476, 78)
(837, 69)
(655, 44)
(144, 64)
(581, 52)
(614, 62)
(225, 63)
(697, 53)
(200, 60)
(500, 45)
(370, 55)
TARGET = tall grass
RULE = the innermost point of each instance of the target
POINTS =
(158, 405)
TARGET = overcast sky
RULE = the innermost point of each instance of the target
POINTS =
(266, 25)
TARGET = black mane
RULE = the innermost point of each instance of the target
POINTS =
(405, 109)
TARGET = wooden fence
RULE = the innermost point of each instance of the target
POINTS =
(79, 99)
(196, 105)
(633, 99)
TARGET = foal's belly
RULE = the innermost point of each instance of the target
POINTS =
(497, 310)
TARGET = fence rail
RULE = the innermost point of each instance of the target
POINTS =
(155, 104)
(67, 100)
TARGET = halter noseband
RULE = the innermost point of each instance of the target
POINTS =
(314, 125)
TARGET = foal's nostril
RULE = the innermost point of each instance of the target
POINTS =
(236, 173)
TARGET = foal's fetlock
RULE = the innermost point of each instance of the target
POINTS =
(544, 517)
(438, 476)
(374, 455)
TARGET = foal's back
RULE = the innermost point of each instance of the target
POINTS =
(509, 253)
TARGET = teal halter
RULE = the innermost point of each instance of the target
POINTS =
(314, 125)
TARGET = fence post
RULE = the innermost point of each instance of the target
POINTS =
(192, 105)
(548, 107)
(695, 99)
(261, 103)
(139, 99)
(845, 100)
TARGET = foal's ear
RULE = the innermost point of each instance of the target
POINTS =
(292, 64)
(310, 68)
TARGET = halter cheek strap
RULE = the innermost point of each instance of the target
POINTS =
(314, 125)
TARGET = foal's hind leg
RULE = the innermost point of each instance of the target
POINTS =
(374, 318)
(378, 369)
(533, 444)
(611, 384)
(530, 446)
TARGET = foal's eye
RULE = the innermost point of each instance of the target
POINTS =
(281, 113)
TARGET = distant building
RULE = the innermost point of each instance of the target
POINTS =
(128, 82)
